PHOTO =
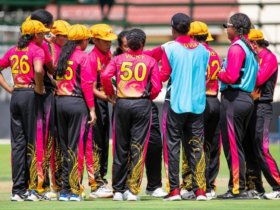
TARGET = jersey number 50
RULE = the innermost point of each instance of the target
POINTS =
(24, 67)
(128, 73)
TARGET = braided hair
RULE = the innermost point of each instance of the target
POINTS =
(66, 52)
(243, 25)
(136, 38)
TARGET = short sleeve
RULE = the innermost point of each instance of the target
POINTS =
(39, 55)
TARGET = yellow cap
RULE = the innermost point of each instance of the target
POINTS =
(103, 31)
(28, 18)
(198, 28)
(60, 27)
(33, 27)
(255, 35)
(209, 38)
(78, 32)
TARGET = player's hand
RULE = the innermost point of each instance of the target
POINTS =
(50, 38)
(11, 90)
(40, 90)
(92, 116)
(111, 99)
(165, 44)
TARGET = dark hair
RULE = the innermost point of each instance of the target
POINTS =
(120, 43)
(243, 25)
(263, 43)
(24, 40)
(43, 16)
(201, 38)
(183, 27)
(135, 39)
(91, 42)
(65, 53)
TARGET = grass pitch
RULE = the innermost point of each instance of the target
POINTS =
(147, 202)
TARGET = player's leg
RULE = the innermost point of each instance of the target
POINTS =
(121, 147)
(261, 145)
(193, 129)
(19, 145)
(212, 143)
(172, 125)
(236, 110)
(140, 132)
(154, 157)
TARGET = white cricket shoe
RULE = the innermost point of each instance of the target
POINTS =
(64, 197)
(254, 194)
(213, 193)
(101, 192)
(156, 193)
(17, 197)
(274, 195)
(54, 196)
(183, 192)
(125, 194)
(209, 196)
(76, 198)
(118, 196)
(34, 196)
(84, 195)
(132, 197)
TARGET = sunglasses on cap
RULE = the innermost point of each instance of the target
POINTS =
(227, 25)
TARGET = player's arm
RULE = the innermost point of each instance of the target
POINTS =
(165, 68)
(156, 83)
(106, 76)
(267, 68)
(39, 75)
(4, 63)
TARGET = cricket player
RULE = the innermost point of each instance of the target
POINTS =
(74, 106)
(256, 147)
(238, 79)
(185, 63)
(137, 78)
(26, 61)
(97, 147)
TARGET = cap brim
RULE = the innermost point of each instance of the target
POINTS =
(209, 39)
(46, 30)
(111, 37)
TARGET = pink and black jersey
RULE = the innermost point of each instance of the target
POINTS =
(266, 76)
(21, 63)
(48, 58)
(98, 62)
(57, 52)
(137, 76)
(213, 68)
(77, 80)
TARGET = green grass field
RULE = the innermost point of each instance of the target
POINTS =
(146, 201)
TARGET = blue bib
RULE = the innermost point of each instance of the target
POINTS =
(250, 70)
(189, 67)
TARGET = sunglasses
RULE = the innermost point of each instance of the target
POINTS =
(227, 25)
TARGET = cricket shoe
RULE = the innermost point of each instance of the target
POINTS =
(182, 192)
(254, 194)
(132, 197)
(118, 196)
(84, 195)
(156, 193)
(17, 197)
(189, 195)
(101, 192)
(64, 197)
(173, 196)
(125, 194)
(74, 197)
(34, 196)
(230, 196)
(54, 196)
(200, 195)
(274, 195)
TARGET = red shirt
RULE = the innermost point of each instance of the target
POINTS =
(77, 80)
(21, 62)
(137, 76)
(166, 70)
(213, 68)
(235, 57)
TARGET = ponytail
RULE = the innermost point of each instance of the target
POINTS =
(263, 44)
(66, 52)
(24, 41)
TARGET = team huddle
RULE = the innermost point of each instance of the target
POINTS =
(60, 120)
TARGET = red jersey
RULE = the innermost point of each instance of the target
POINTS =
(21, 63)
(213, 68)
(77, 80)
(137, 76)
(98, 62)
